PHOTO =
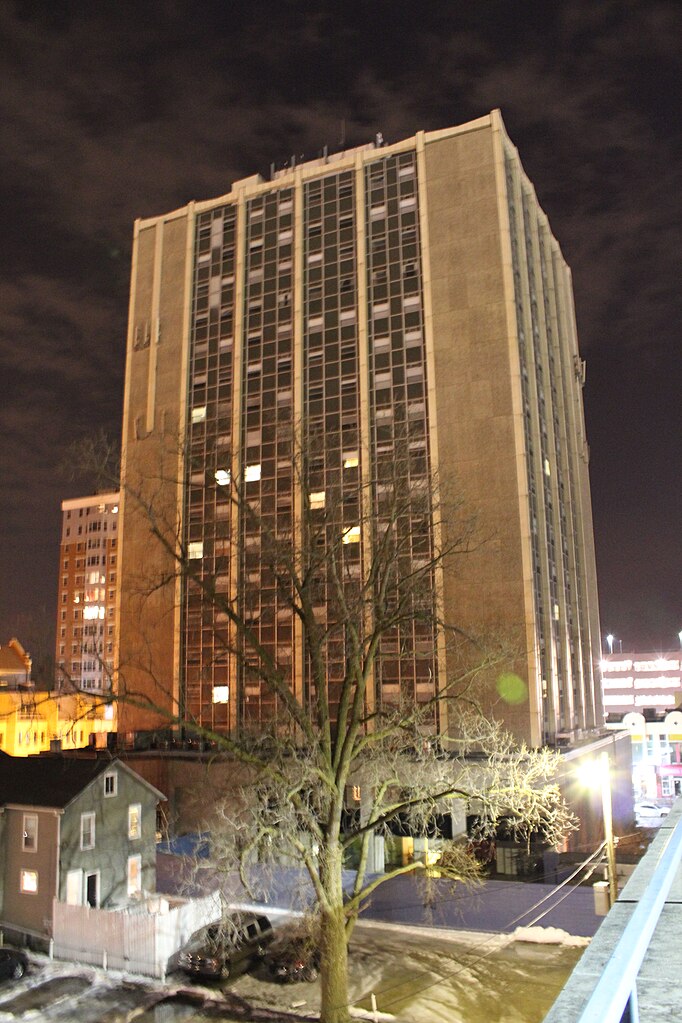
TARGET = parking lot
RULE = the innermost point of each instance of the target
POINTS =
(423, 976)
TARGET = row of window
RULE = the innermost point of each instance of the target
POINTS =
(29, 882)
(87, 828)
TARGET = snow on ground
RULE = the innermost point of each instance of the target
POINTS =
(417, 975)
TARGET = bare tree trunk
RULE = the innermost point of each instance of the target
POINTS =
(334, 972)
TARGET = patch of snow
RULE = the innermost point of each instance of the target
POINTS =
(549, 936)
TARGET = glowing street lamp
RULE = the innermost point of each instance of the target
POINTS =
(598, 773)
(609, 640)
(679, 636)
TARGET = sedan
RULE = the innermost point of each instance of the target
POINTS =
(13, 964)
(650, 814)
(292, 959)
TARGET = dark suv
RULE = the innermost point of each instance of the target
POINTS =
(227, 947)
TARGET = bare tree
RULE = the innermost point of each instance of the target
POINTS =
(368, 729)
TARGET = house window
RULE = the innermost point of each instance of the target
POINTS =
(30, 835)
(28, 882)
(134, 821)
(87, 831)
(195, 550)
(134, 875)
(221, 694)
(110, 784)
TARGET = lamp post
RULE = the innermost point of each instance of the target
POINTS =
(605, 780)
(594, 773)
(609, 640)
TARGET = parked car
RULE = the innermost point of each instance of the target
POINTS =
(226, 947)
(293, 957)
(13, 964)
(650, 814)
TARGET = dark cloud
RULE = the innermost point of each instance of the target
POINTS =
(116, 111)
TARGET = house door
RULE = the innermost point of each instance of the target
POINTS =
(92, 889)
(74, 887)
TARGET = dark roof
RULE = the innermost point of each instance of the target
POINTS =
(46, 780)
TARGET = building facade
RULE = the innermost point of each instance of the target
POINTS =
(86, 598)
(643, 696)
(409, 295)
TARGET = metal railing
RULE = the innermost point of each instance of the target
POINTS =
(614, 996)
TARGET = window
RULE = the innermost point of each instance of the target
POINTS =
(134, 821)
(195, 549)
(87, 831)
(134, 875)
(28, 882)
(30, 835)
(110, 784)
(251, 473)
(221, 694)
(199, 414)
(222, 477)
(317, 499)
(352, 535)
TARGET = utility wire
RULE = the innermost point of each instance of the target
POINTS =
(470, 963)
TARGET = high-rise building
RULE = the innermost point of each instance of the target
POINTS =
(86, 599)
(410, 293)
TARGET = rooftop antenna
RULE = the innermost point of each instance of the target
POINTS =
(342, 140)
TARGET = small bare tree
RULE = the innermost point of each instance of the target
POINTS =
(372, 711)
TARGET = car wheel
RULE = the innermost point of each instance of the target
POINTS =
(18, 971)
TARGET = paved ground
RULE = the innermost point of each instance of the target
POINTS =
(415, 975)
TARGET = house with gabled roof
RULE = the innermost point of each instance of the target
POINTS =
(81, 830)
(15, 665)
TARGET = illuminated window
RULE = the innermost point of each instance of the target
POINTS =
(28, 883)
(221, 694)
(30, 835)
(195, 549)
(352, 535)
(87, 831)
(222, 477)
(134, 821)
(134, 875)
(199, 414)
(317, 499)
(252, 473)
(110, 784)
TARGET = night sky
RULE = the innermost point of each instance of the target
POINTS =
(118, 110)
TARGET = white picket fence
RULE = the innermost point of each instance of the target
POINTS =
(140, 938)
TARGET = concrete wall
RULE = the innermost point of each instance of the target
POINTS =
(153, 429)
(480, 447)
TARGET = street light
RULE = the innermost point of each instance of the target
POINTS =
(679, 636)
(609, 640)
(594, 773)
